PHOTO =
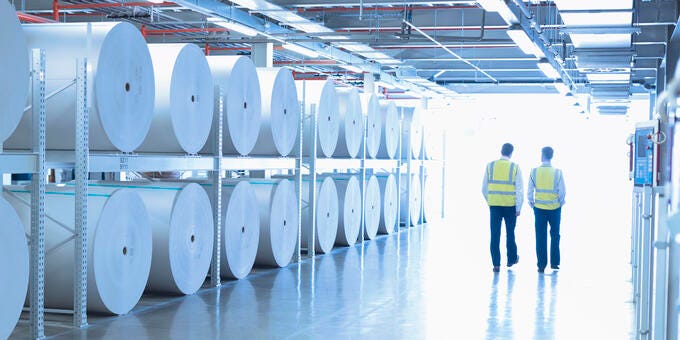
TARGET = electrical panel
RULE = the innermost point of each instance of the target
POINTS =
(644, 153)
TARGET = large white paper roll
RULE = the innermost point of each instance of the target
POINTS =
(119, 246)
(372, 209)
(412, 203)
(280, 113)
(390, 204)
(183, 233)
(241, 229)
(242, 108)
(323, 97)
(327, 214)
(277, 203)
(351, 123)
(433, 141)
(432, 197)
(120, 85)
(14, 268)
(14, 67)
(371, 108)
(412, 132)
(183, 109)
(349, 221)
(389, 140)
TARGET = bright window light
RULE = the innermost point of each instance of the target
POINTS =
(523, 41)
(566, 5)
(352, 68)
(548, 69)
(301, 50)
(562, 88)
(156, 1)
(608, 77)
(234, 26)
(501, 8)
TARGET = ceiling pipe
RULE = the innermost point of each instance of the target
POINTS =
(114, 5)
(382, 8)
(449, 51)
(34, 19)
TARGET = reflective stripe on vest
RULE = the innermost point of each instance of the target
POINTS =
(546, 180)
(501, 176)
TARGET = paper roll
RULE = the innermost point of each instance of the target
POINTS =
(390, 204)
(322, 96)
(433, 141)
(183, 108)
(14, 67)
(280, 113)
(14, 268)
(327, 214)
(412, 132)
(371, 108)
(351, 123)
(120, 85)
(349, 219)
(242, 107)
(182, 230)
(412, 203)
(372, 208)
(119, 242)
(389, 139)
(277, 203)
(241, 229)
(432, 198)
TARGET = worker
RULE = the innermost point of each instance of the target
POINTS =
(503, 191)
(546, 194)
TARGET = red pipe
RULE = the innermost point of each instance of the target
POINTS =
(143, 30)
(207, 49)
(55, 10)
(34, 19)
(108, 5)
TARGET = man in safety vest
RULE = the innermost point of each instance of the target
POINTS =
(503, 191)
(546, 195)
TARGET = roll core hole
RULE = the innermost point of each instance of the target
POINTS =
(193, 238)
(193, 99)
(329, 119)
(284, 223)
(285, 111)
(243, 229)
(328, 215)
(127, 87)
(245, 105)
(124, 250)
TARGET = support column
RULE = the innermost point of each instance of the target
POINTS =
(262, 54)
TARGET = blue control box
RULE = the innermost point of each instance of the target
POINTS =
(644, 157)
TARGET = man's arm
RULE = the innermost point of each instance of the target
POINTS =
(561, 189)
(530, 190)
(519, 191)
(485, 184)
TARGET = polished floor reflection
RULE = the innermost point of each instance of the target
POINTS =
(422, 283)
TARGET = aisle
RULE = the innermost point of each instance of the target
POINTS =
(431, 282)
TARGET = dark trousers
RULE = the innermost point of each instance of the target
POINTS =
(498, 214)
(543, 217)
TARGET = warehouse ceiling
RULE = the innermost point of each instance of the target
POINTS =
(602, 50)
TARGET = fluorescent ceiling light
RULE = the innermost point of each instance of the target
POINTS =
(608, 77)
(523, 41)
(234, 26)
(156, 1)
(548, 69)
(566, 5)
(352, 68)
(501, 8)
(301, 50)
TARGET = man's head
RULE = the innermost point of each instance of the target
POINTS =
(546, 154)
(507, 149)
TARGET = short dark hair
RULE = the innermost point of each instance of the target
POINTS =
(547, 153)
(507, 149)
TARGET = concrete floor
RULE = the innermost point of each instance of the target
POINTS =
(421, 283)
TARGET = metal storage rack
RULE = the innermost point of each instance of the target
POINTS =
(34, 163)
(84, 162)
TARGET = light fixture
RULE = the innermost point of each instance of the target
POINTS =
(233, 26)
(548, 69)
(522, 40)
(301, 50)
(351, 68)
(156, 1)
(501, 8)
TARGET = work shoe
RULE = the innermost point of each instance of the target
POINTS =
(541, 270)
(514, 263)
(555, 267)
(496, 269)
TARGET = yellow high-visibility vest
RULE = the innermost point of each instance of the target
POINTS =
(501, 176)
(546, 180)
